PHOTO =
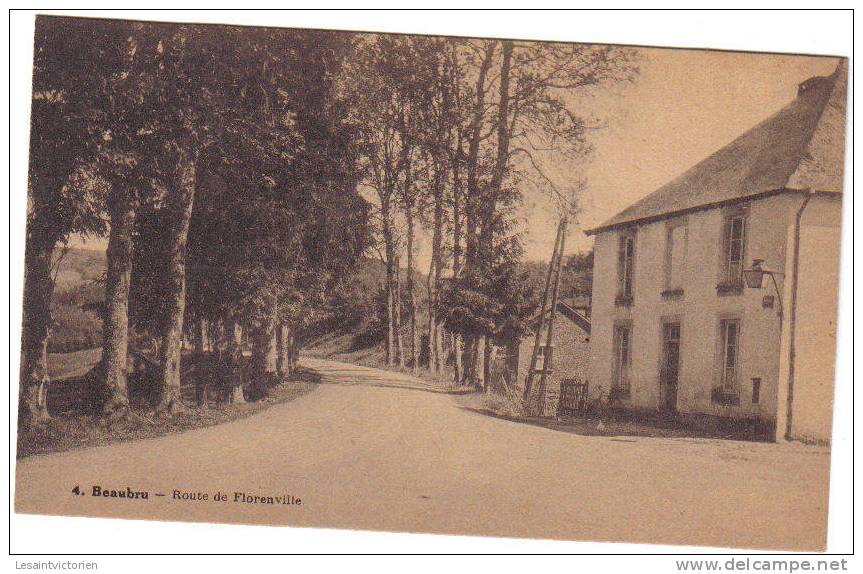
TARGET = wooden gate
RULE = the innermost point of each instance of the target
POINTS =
(573, 397)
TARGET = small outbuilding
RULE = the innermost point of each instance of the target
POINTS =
(571, 352)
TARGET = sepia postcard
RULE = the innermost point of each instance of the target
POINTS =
(450, 285)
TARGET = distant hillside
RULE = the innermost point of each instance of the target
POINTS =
(76, 325)
(358, 329)
(372, 274)
(79, 266)
(357, 334)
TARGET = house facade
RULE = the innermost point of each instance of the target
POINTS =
(675, 329)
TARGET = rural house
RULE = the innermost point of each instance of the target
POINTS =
(674, 326)
(570, 354)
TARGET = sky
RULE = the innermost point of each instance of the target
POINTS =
(683, 106)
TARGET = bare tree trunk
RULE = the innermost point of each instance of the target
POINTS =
(389, 248)
(412, 296)
(172, 334)
(468, 360)
(431, 288)
(38, 290)
(233, 337)
(214, 337)
(264, 359)
(472, 199)
(284, 363)
(435, 267)
(265, 349)
(200, 336)
(113, 392)
(432, 331)
(502, 159)
(271, 364)
(280, 351)
(481, 211)
(397, 295)
(456, 211)
(293, 350)
(234, 352)
(458, 368)
(490, 355)
(458, 373)
(390, 346)
(472, 167)
(479, 362)
(439, 345)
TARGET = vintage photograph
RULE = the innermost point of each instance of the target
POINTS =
(414, 283)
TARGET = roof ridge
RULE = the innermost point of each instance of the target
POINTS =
(763, 158)
(570, 313)
(834, 77)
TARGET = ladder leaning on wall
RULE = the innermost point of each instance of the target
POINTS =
(535, 405)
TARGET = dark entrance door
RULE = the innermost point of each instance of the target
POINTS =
(670, 369)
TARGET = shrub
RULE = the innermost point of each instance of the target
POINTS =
(723, 396)
(74, 329)
(506, 406)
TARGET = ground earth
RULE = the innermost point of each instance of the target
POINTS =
(369, 449)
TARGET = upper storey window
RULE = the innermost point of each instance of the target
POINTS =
(733, 255)
(735, 243)
(625, 268)
(675, 258)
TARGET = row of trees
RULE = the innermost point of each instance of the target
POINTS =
(453, 131)
(240, 173)
(216, 159)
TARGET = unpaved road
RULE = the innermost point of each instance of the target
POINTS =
(367, 451)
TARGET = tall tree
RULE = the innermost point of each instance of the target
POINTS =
(261, 241)
(378, 78)
(113, 392)
(71, 59)
(441, 121)
(410, 206)
(193, 100)
(485, 55)
(534, 116)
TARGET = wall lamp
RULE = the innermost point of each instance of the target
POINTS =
(754, 277)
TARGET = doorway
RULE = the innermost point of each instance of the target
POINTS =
(670, 368)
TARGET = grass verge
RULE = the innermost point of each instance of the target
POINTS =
(615, 424)
(63, 433)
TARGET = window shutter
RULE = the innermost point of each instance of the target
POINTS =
(621, 265)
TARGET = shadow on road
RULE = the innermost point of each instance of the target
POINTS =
(339, 373)
(370, 382)
(624, 427)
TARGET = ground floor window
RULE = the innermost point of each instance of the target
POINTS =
(622, 357)
(730, 334)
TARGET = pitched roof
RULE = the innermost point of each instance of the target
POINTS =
(799, 147)
(568, 312)
(578, 302)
